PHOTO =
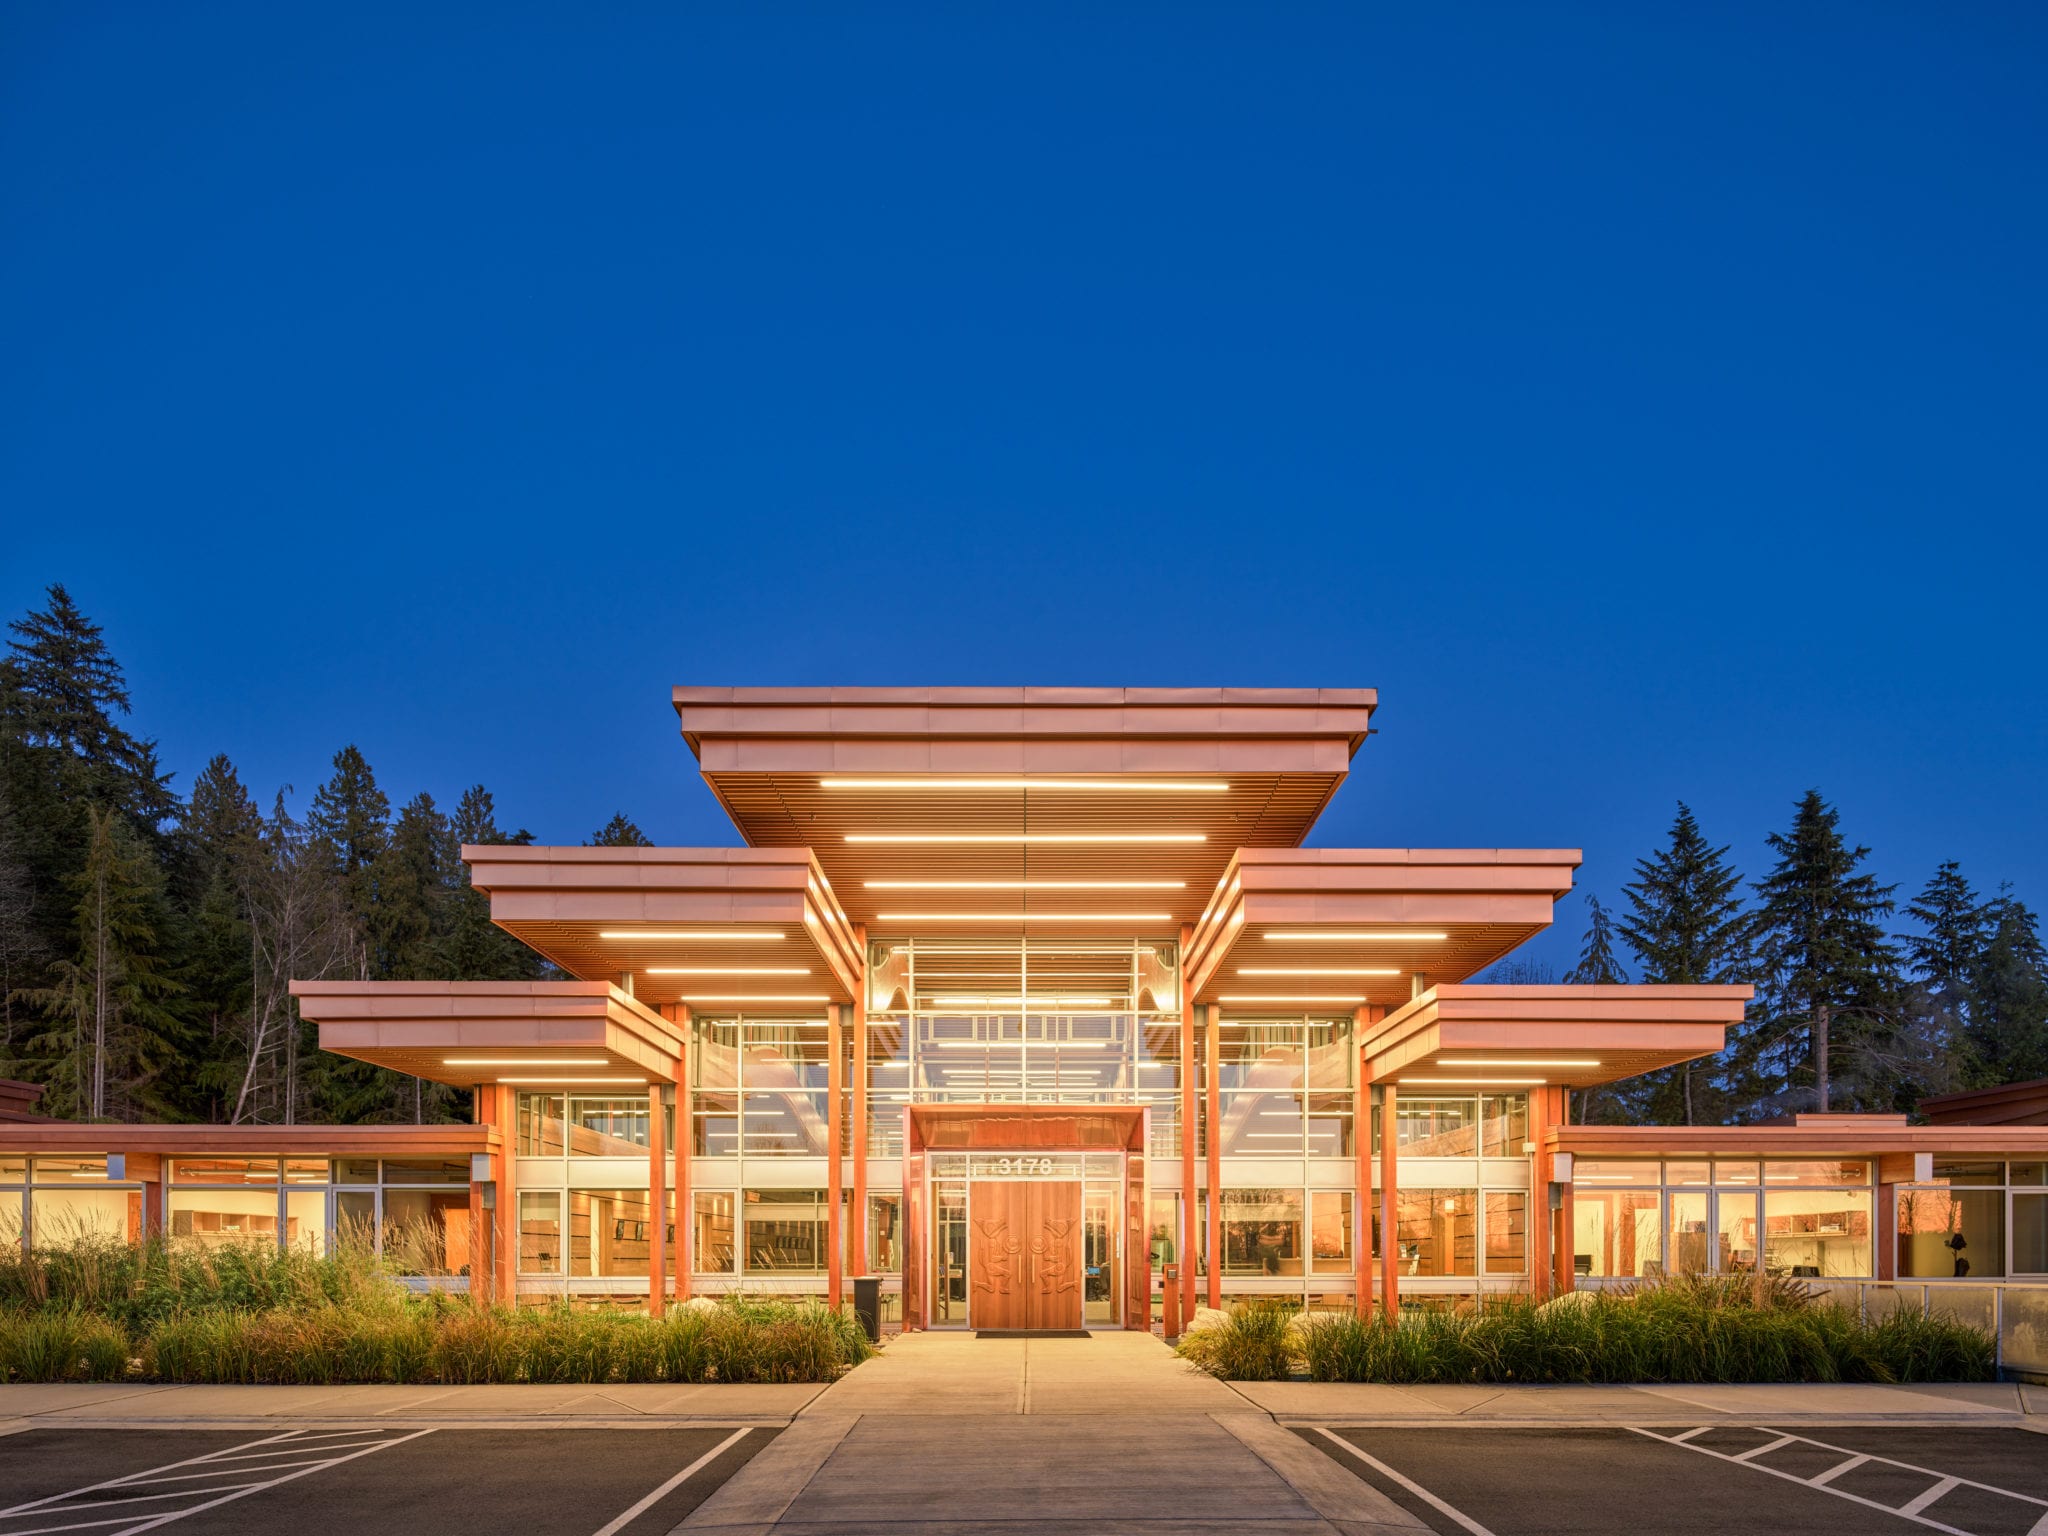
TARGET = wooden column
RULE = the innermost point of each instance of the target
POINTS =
(916, 1262)
(1361, 1132)
(1563, 1277)
(686, 1215)
(1885, 1230)
(504, 1167)
(1137, 1297)
(657, 1203)
(1188, 1116)
(857, 1211)
(1211, 1074)
(835, 1135)
(482, 1247)
(1542, 1241)
(1390, 1249)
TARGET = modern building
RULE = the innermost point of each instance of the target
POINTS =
(1024, 1000)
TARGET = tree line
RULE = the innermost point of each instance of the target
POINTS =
(147, 939)
(1848, 1014)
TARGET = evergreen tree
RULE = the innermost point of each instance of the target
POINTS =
(1598, 967)
(1829, 973)
(620, 832)
(110, 1004)
(350, 826)
(219, 840)
(416, 879)
(2007, 996)
(479, 950)
(23, 949)
(1956, 927)
(1685, 927)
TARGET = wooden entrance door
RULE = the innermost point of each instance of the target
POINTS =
(1024, 1254)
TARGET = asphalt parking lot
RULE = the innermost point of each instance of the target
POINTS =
(392, 1478)
(1620, 1481)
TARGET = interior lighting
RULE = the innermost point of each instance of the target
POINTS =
(1011, 1045)
(526, 1061)
(1290, 997)
(1024, 917)
(757, 997)
(1157, 786)
(1027, 837)
(728, 970)
(684, 935)
(1473, 1082)
(638, 1082)
(1298, 937)
(1025, 885)
(1318, 970)
(1518, 1061)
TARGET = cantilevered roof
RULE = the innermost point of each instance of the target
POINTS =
(1457, 1039)
(717, 928)
(1341, 927)
(469, 1032)
(1014, 811)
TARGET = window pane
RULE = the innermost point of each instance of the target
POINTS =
(1266, 1056)
(1329, 1125)
(1818, 1234)
(13, 1170)
(786, 1123)
(1616, 1231)
(305, 1221)
(69, 1170)
(424, 1170)
(1331, 1059)
(711, 1246)
(224, 1216)
(1261, 1231)
(355, 1217)
(609, 1233)
(426, 1231)
(1685, 1174)
(1736, 1230)
(541, 1132)
(610, 1127)
(1436, 1127)
(355, 1170)
(1261, 1124)
(1736, 1173)
(1816, 1173)
(1958, 1171)
(305, 1170)
(1950, 1233)
(1330, 1232)
(1612, 1175)
(1436, 1231)
(62, 1217)
(715, 1124)
(1688, 1217)
(2027, 1173)
(785, 1231)
(540, 1232)
(717, 1063)
(2030, 1234)
(1507, 1123)
(224, 1170)
(1507, 1232)
(885, 1234)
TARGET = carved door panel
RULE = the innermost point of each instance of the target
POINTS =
(1025, 1254)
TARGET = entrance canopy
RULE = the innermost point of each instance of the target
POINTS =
(980, 1127)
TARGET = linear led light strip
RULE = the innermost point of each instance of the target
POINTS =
(728, 970)
(1150, 786)
(1012, 1045)
(1297, 997)
(757, 997)
(1473, 1082)
(638, 1082)
(1297, 937)
(1318, 970)
(1027, 837)
(525, 1061)
(1024, 917)
(1518, 1061)
(685, 935)
(1025, 885)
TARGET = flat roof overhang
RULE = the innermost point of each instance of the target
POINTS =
(1048, 812)
(468, 1032)
(56, 1137)
(2008, 1104)
(1509, 1039)
(1903, 1152)
(1340, 928)
(714, 928)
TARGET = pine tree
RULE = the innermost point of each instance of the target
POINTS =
(111, 1005)
(479, 950)
(350, 826)
(1598, 967)
(65, 689)
(1956, 927)
(23, 950)
(620, 832)
(1829, 973)
(2007, 996)
(1686, 928)
(218, 840)
(416, 879)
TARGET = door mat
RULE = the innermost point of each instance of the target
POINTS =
(1032, 1333)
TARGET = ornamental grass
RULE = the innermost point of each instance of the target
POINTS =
(1682, 1330)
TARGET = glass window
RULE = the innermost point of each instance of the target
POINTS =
(224, 1170)
(1690, 1243)
(1436, 1127)
(427, 1231)
(61, 1217)
(13, 1170)
(355, 1217)
(1737, 1172)
(222, 1217)
(1612, 1174)
(1954, 1171)
(424, 1171)
(1948, 1234)
(717, 1054)
(610, 1232)
(885, 1234)
(1684, 1175)
(715, 1124)
(1817, 1233)
(711, 1231)
(1616, 1231)
(1331, 1061)
(69, 1170)
(795, 1124)
(1507, 1232)
(1261, 1231)
(1264, 1055)
(2028, 1173)
(13, 1212)
(1329, 1125)
(540, 1232)
(305, 1221)
(355, 1170)
(1437, 1231)
(1736, 1229)
(1813, 1173)
(785, 1231)
(2030, 1234)
(1506, 1123)
(1330, 1232)
(542, 1132)
(609, 1127)
(305, 1170)
(1261, 1124)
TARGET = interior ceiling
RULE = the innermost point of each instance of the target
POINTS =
(1270, 810)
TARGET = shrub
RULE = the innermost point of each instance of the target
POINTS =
(1256, 1342)
(65, 1345)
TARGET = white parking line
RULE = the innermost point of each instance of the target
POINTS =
(1941, 1484)
(627, 1517)
(1384, 1470)
(215, 1464)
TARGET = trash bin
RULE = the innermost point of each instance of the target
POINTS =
(867, 1304)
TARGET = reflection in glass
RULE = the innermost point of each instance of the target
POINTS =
(711, 1233)
(1690, 1249)
(1616, 1232)
(1436, 1230)
(1261, 1231)
(1436, 1127)
(786, 1231)
(1736, 1229)
(1948, 1234)
(1330, 1231)
(540, 1232)
(1507, 1232)
(2029, 1234)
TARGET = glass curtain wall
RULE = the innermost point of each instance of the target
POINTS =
(1810, 1219)
(1980, 1220)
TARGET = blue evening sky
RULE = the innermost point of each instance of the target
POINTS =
(1649, 401)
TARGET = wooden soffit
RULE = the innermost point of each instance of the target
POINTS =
(1027, 1128)
(708, 927)
(1006, 811)
(469, 1032)
(1508, 1039)
(1375, 916)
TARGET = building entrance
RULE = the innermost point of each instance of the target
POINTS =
(1025, 1254)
